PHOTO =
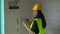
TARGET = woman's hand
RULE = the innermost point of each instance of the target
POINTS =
(32, 33)
(24, 24)
(28, 29)
(27, 20)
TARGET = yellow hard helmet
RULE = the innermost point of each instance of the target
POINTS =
(37, 7)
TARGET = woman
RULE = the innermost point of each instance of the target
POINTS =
(38, 25)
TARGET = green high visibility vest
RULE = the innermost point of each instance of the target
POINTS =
(39, 23)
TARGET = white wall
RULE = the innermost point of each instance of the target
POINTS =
(11, 17)
(51, 12)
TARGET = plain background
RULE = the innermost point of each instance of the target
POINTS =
(51, 12)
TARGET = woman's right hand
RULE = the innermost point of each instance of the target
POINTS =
(28, 29)
(27, 20)
(32, 33)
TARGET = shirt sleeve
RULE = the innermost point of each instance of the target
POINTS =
(35, 27)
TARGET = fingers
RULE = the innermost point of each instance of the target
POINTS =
(27, 20)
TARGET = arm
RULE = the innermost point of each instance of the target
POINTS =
(28, 29)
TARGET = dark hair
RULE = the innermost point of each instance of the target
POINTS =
(40, 15)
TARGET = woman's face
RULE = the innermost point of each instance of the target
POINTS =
(34, 13)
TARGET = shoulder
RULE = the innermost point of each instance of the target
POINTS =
(37, 19)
